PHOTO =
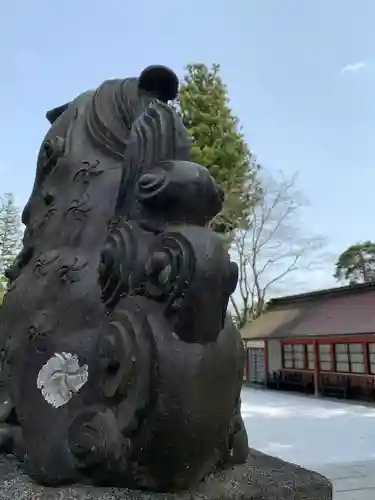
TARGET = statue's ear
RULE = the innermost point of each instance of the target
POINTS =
(159, 80)
(53, 114)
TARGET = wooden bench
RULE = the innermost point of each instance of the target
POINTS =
(275, 381)
(340, 388)
(291, 382)
(294, 382)
(370, 390)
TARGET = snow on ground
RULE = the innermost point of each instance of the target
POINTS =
(306, 430)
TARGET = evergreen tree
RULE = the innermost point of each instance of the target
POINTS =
(10, 231)
(357, 263)
(217, 142)
(3, 288)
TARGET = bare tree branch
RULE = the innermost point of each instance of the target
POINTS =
(271, 246)
(236, 310)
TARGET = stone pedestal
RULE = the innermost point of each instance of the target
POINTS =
(261, 478)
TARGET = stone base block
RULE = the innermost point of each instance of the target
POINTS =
(261, 478)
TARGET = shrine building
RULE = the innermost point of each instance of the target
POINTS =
(320, 343)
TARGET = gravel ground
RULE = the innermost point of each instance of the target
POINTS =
(261, 478)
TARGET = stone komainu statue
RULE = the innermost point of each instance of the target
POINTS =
(119, 364)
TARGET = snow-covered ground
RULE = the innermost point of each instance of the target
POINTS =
(308, 431)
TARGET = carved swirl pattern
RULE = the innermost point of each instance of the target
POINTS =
(68, 267)
(53, 150)
(157, 134)
(93, 438)
(125, 367)
(87, 171)
(117, 264)
(44, 261)
(169, 269)
(39, 331)
(180, 191)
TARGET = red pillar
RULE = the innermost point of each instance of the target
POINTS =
(246, 367)
(366, 357)
(316, 368)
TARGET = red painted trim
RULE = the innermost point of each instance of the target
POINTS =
(366, 357)
(316, 368)
(299, 370)
(266, 362)
(329, 339)
(317, 342)
(246, 371)
(282, 357)
(345, 374)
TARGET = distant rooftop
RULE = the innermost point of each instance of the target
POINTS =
(345, 310)
(336, 291)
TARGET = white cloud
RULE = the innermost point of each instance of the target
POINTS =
(353, 67)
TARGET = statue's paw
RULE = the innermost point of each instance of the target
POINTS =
(11, 440)
(240, 449)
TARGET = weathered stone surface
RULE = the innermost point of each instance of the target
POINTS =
(118, 362)
(261, 478)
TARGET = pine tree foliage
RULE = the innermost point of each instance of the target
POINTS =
(10, 231)
(357, 263)
(218, 143)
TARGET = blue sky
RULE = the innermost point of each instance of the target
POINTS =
(301, 78)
